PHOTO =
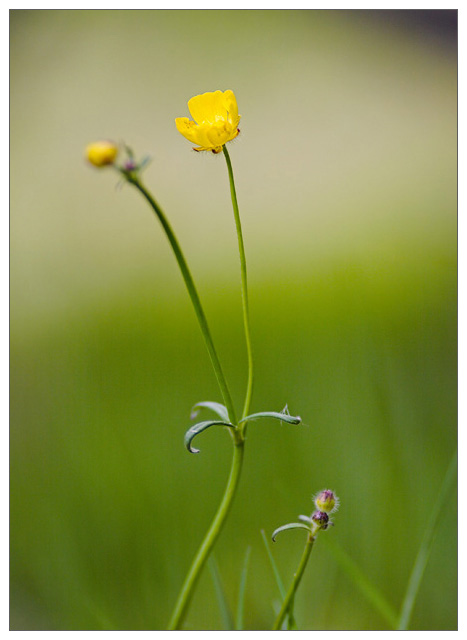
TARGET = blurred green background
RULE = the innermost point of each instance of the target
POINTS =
(346, 178)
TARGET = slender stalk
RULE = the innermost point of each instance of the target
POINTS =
(241, 592)
(246, 312)
(224, 608)
(425, 548)
(295, 582)
(207, 544)
(190, 285)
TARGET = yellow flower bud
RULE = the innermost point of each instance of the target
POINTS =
(327, 501)
(101, 153)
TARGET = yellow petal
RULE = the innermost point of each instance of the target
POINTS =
(206, 136)
(188, 128)
(208, 107)
(230, 104)
(218, 134)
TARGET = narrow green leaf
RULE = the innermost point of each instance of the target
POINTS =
(217, 407)
(144, 163)
(283, 417)
(198, 428)
(291, 525)
(277, 575)
(224, 608)
(368, 589)
(425, 548)
(241, 591)
(280, 584)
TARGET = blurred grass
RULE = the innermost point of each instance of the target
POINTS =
(346, 177)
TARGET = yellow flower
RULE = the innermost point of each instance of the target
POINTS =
(101, 153)
(216, 115)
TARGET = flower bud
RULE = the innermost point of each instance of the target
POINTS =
(327, 501)
(320, 518)
(101, 153)
(130, 165)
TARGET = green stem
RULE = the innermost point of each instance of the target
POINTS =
(208, 542)
(190, 285)
(295, 583)
(246, 312)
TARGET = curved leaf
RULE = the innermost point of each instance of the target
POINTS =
(217, 407)
(291, 525)
(277, 415)
(198, 428)
(305, 519)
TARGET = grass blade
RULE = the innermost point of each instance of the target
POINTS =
(425, 548)
(282, 590)
(241, 592)
(277, 575)
(227, 619)
(367, 588)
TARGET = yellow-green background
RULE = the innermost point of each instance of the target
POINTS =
(346, 178)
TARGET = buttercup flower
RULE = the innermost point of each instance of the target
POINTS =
(216, 115)
(101, 153)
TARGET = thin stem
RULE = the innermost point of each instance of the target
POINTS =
(246, 312)
(425, 548)
(208, 542)
(190, 285)
(295, 583)
(242, 591)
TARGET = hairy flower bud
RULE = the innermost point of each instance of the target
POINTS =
(327, 501)
(101, 153)
(320, 518)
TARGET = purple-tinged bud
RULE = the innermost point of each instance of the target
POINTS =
(130, 165)
(320, 518)
(327, 501)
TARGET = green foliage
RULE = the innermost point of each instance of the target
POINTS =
(421, 561)
(291, 525)
(226, 615)
(361, 581)
(291, 625)
(199, 428)
(217, 407)
(239, 622)
(283, 417)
